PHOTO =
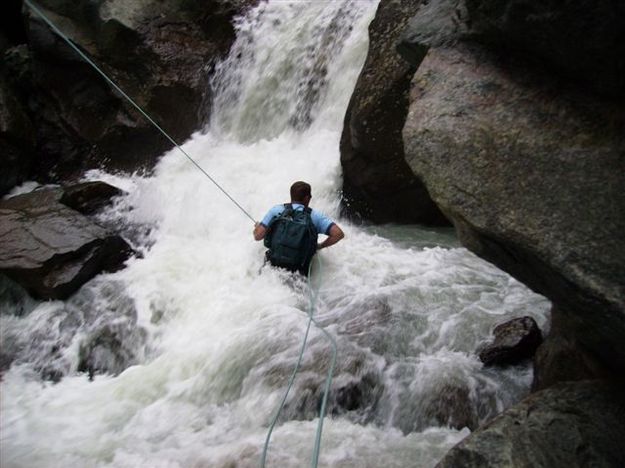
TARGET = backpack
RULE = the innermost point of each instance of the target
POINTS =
(292, 239)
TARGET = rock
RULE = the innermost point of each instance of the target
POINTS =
(159, 52)
(515, 341)
(17, 138)
(436, 23)
(377, 183)
(570, 424)
(542, 32)
(50, 249)
(89, 197)
(561, 357)
(531, 174)
(539, 32)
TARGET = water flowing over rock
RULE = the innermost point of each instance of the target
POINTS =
(50, 249)
(569, 424)
(377, 184)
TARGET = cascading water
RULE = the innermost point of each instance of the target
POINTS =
(182, 358)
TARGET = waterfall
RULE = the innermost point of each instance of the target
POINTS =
(181, 359)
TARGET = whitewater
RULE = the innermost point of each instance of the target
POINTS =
(205, 336)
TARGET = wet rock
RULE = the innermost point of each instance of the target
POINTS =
(515, 341)
(377, 183)
(50, 249)
(562, 357)
(89, 197)
(569, 424)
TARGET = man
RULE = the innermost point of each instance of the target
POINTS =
(290, 231)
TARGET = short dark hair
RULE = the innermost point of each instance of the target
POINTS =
(299, 191)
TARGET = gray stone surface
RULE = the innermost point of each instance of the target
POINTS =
(532, 176)
(568, 425)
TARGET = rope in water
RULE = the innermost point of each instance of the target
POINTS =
(313, 293)
(131, 101)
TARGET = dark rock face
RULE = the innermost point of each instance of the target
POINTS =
(377, 183)
(561, 357)
(570, 424)
(159, 52)
(583, 40)
(50, 249)
(515, 341)
(17, 137)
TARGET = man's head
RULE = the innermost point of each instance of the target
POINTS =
(301, 193)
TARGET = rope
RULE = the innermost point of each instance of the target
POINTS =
(131, 101)
(313, 293)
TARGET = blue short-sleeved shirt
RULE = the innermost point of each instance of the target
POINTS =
(321, 222)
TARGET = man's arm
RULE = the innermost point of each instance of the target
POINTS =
(335, 235)
(259, 231)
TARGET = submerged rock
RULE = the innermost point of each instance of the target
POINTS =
(570, 424)
(50, 249)
(515, 341)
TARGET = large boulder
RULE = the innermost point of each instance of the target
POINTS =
(531, 174)
(569, 424)
(51, 250)
(526, 163)
(160, 53)
(377, 183)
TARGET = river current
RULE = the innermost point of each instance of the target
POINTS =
(192, 344)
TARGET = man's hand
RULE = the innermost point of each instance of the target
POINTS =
(259, 231)
(335, 235)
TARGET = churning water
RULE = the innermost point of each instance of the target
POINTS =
(190, 347)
